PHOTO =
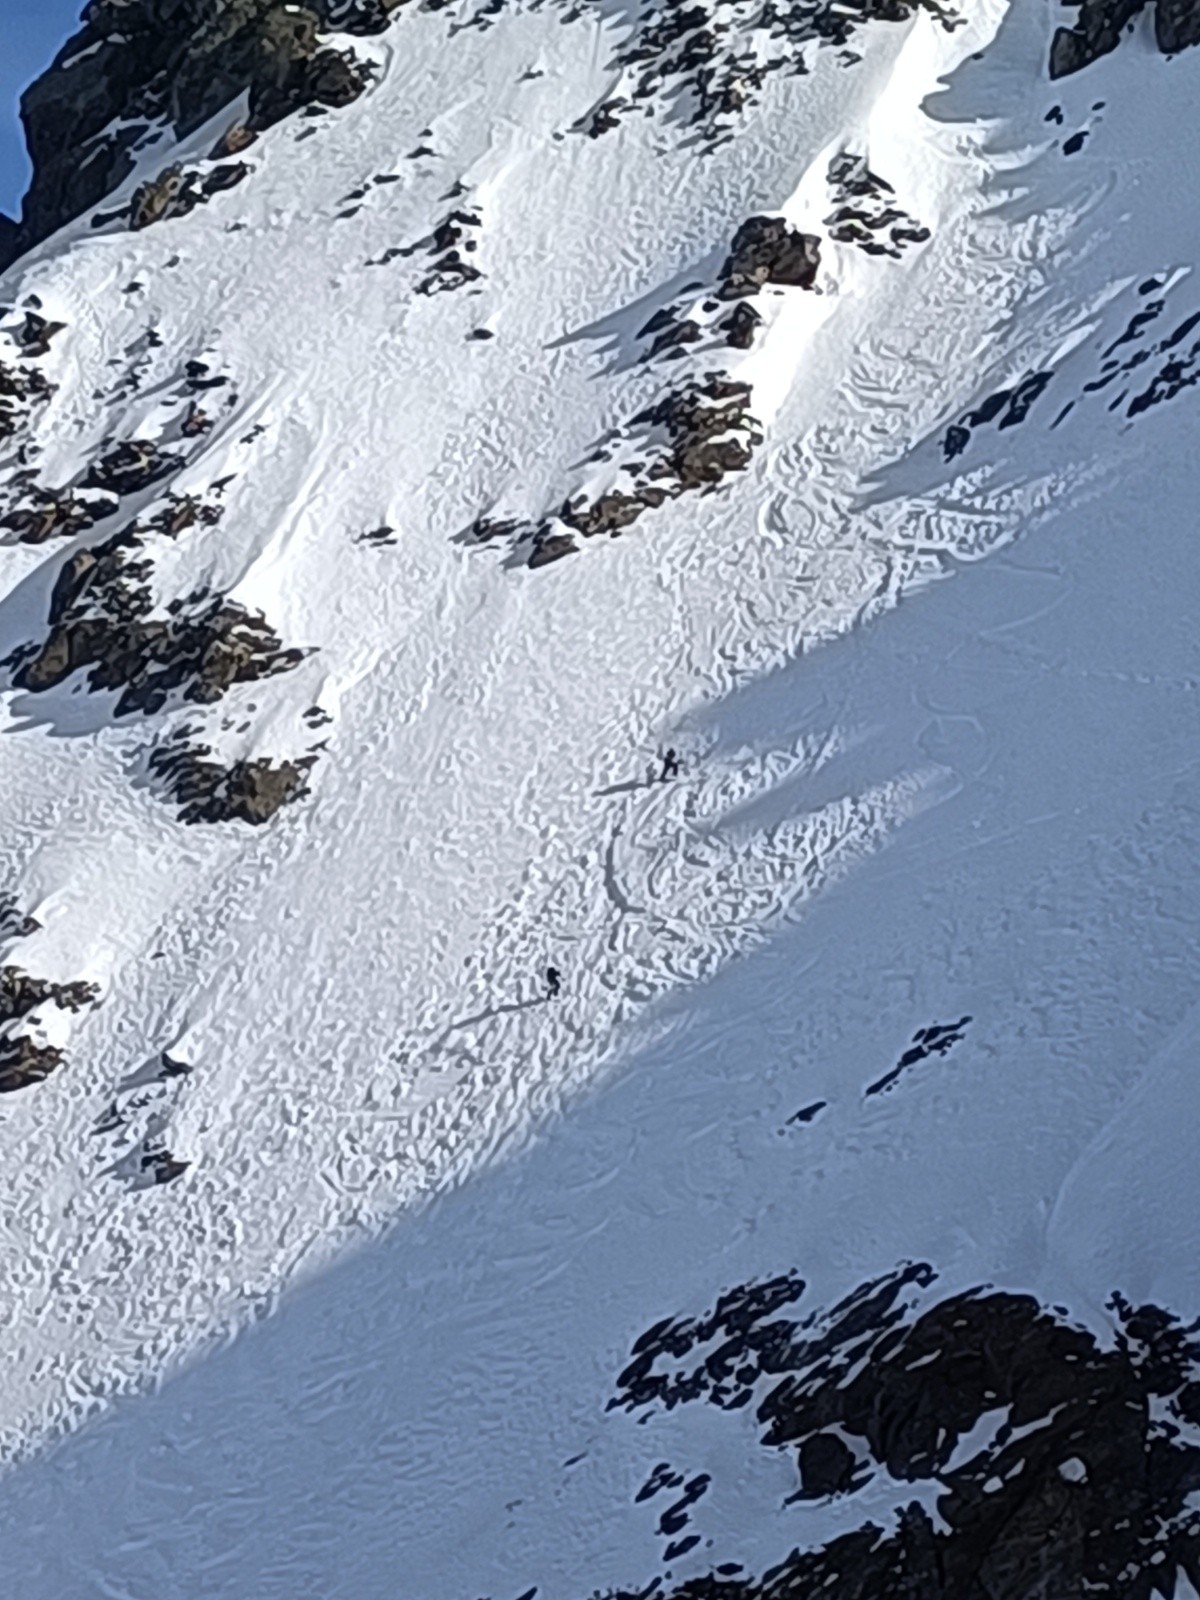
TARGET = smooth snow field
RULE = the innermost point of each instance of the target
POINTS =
(937, 719)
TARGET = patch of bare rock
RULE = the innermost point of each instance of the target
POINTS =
(250, 791)
(24, 1059)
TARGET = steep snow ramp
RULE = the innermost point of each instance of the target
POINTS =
(389, 502)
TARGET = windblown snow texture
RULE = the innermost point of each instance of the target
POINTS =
(600, 890)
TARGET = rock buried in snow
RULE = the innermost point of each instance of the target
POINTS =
(740, 325)
(34, 334)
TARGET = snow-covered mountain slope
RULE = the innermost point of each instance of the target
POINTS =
(336, 715)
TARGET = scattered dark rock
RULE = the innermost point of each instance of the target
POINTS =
(691, 55)
(662, 1477)
(485, 529)
(935, 1040)
(20, 390)
(867, 215)
(161, 1166)
(20, 994)
(709, 433)
(450, 271)
(1007, 408)
(199, 377)
(166, 1167)
(956, 441)
(174, 192)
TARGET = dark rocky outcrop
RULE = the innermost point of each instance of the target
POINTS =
(766, 250)
(175, 192)
(20, 389)
(49, 514)
(34, 333)
(1097, 31)
(710, 429)
(1100, 24)
(244, 791)
(706, 433)
(103, 619)
(1061, 1462)
(1176, 24)
(137, 62)
(133, 465)
(867, 215)
(740, 326)
(552, 547)
(23, 1060)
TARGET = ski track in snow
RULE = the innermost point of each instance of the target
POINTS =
(875, 829)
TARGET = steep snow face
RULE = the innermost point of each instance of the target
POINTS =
(384, 510)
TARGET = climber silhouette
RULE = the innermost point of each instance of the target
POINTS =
(553, 982)
(670, 766)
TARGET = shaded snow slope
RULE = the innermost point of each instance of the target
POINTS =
(904, 802)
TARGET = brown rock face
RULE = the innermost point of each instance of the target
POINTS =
(766, 250)
(246, 791)
(103, 619)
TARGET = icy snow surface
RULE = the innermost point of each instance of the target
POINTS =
(937, 720)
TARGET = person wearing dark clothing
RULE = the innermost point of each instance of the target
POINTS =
(553, 982)
(670, 766)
